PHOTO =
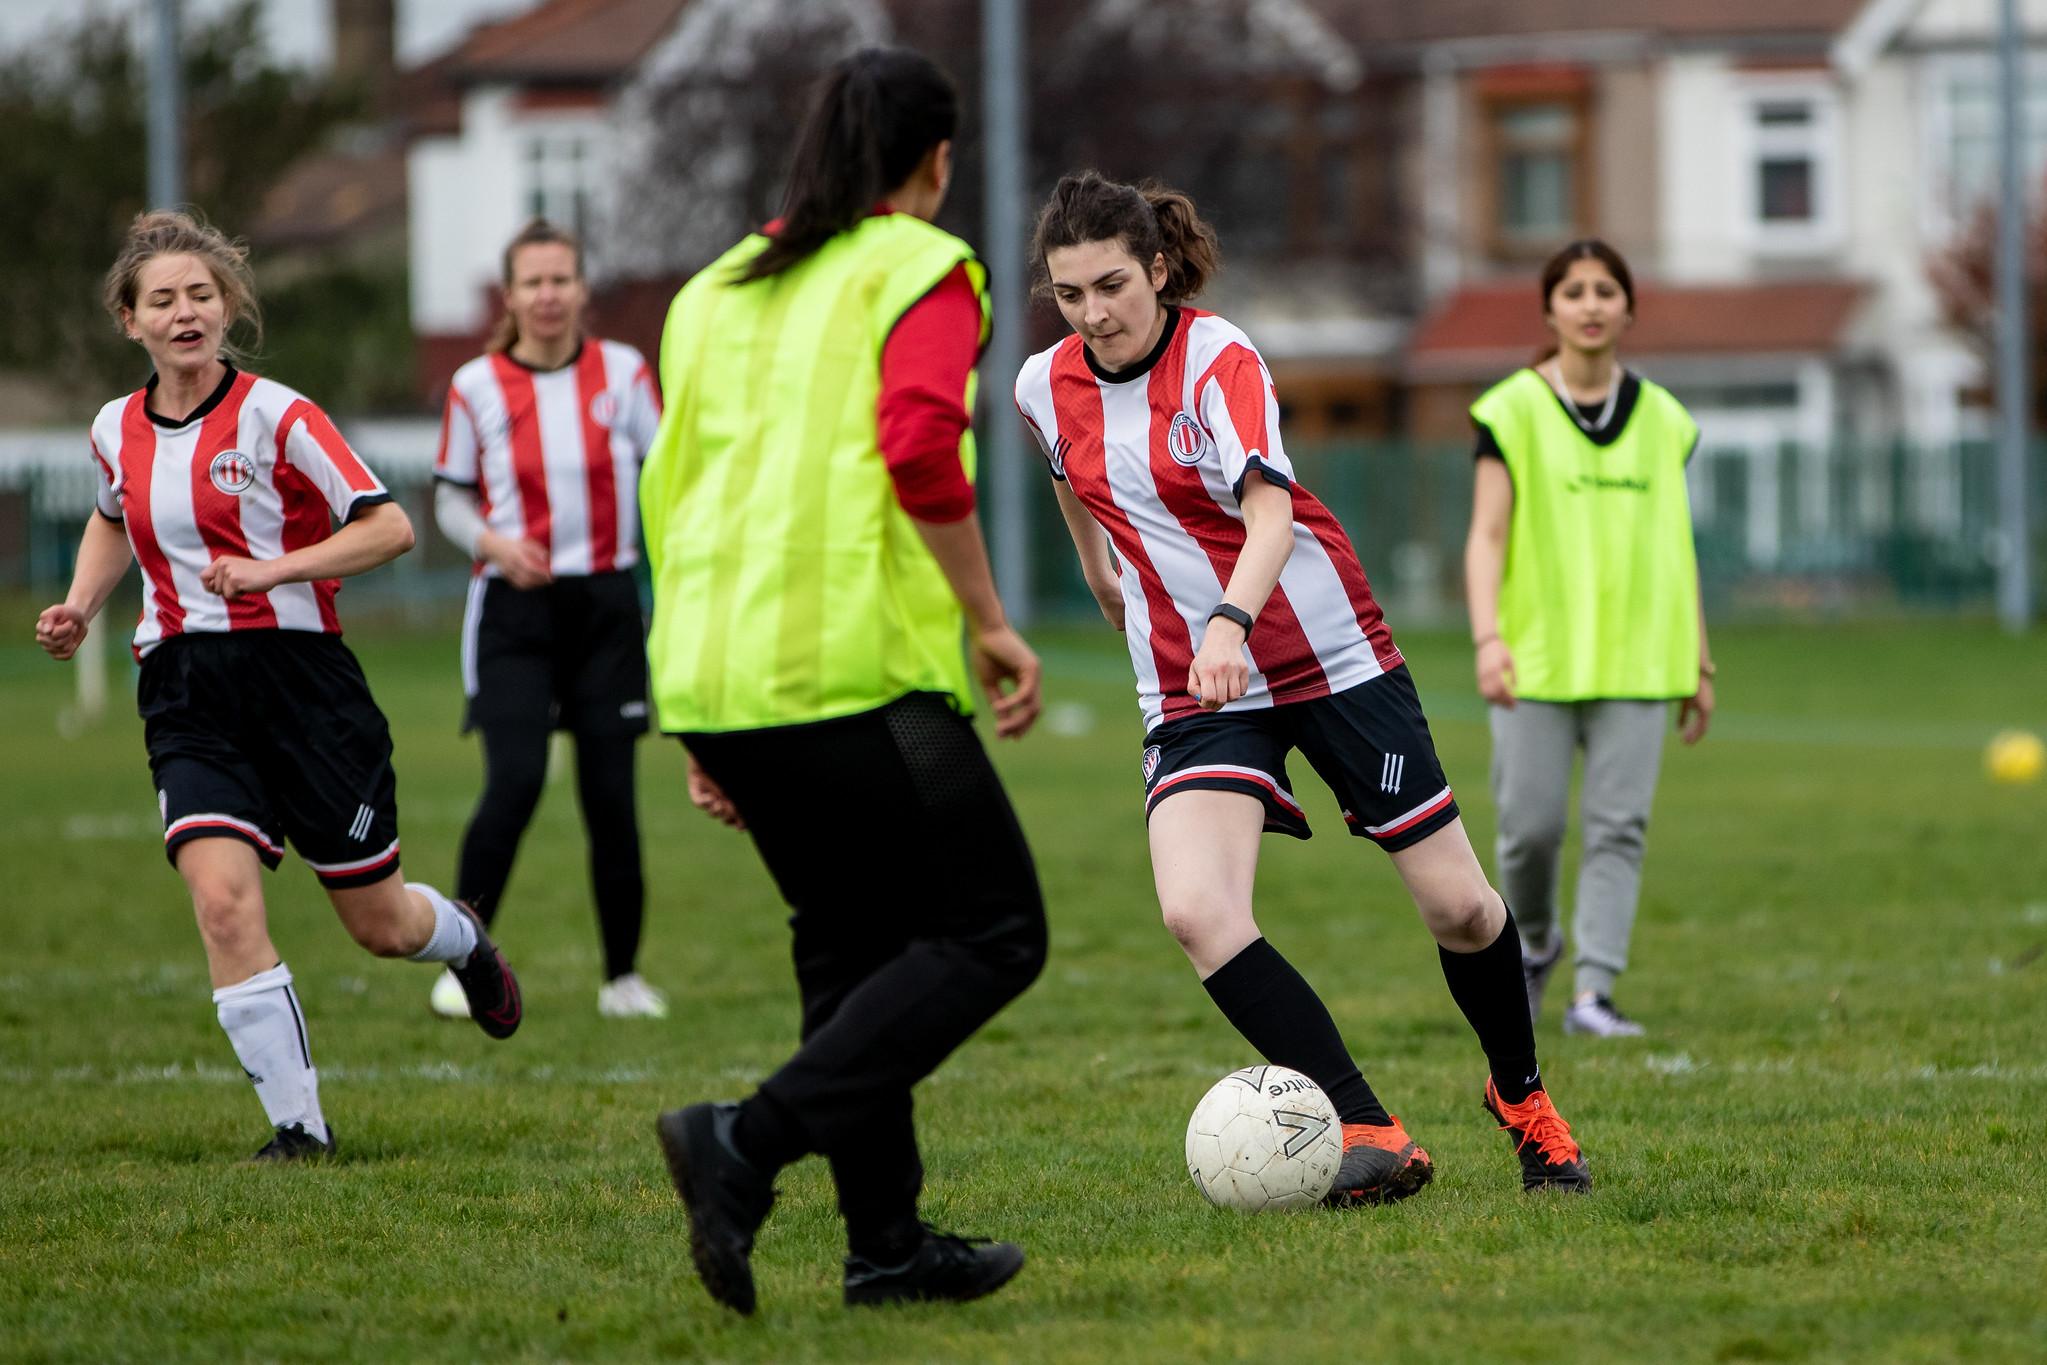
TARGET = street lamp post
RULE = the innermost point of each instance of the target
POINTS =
(166, 108)
(2014, 392)
(1007, 175)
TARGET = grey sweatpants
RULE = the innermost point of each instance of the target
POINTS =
(1533, 745)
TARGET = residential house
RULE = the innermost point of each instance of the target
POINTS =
(1778, 172)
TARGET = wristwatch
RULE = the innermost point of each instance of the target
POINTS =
(1230, 613)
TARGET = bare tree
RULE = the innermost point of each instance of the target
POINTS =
(708, 127)
(1215, 96)
(1964, 277)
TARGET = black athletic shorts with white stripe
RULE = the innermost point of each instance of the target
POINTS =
(1370, 743)
(569, 655)
(267, 736)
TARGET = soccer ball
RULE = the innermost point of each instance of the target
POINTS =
(2015, 756)
(1263, 1139)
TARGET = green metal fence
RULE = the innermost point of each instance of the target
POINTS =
(1785, 531)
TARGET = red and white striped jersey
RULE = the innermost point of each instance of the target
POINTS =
(256, 471)
(556, 454)
(1159, 454)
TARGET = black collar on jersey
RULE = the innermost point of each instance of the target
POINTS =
(1609, 431)
(213, 400)
(1128, 373)
(568, 364)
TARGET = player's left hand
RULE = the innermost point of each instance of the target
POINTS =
(1695, 713)
(710, 798)
(999, 656)
(1220, 674)
(232, 576)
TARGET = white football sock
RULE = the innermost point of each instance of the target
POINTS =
(454, 935)
(268, 1029)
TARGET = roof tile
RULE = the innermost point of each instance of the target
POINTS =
(1491, 327)
(567, 40)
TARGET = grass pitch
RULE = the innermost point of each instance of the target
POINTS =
(1828, 1148)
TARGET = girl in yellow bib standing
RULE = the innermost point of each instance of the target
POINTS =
(1584, 598)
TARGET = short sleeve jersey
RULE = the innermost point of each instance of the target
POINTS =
(1159, 453)
(256, 471)
(555, 454)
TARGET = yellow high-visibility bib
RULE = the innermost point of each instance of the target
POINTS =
(789, 584)
(1600, 593)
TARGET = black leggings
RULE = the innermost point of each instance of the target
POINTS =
(514, 771)
(916, 914)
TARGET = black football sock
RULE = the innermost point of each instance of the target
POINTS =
(1278, 1013)
(1491, 989)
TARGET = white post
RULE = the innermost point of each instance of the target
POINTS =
(90, 663)
(92, 671)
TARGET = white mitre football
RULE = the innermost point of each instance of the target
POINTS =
(1264, 1138)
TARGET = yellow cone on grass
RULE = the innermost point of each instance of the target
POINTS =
(2015, 756)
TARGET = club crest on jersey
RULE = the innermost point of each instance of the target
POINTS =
(604, 408)
(1151, 763)
(232, 472)
(1186, 442)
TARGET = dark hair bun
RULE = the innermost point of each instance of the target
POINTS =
(1148, 219)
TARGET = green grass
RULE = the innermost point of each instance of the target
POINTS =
(1828, 1148)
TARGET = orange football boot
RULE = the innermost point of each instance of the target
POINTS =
(1550, 1159)
(1381, 1163)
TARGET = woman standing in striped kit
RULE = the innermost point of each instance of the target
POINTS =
(1585, 610)
(538, 481)
(810, 521)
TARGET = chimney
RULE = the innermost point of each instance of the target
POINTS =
(365, 51)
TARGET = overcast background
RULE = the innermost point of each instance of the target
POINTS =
(298, 30)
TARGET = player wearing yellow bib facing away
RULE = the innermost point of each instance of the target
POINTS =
(810, 524)
(1584, 598)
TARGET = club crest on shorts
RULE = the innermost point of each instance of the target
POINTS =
(232, 472)
(604, 408)
(1186, 442)
(1151, 763)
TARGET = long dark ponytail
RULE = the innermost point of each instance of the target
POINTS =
(878, 112)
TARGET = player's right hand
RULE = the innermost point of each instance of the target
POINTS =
(525, 564)
(60, 630)
(1220, 673)
(1496, 673)
(1000, 656)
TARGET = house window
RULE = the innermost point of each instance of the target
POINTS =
(559, 177)
(1791, 170)
(1538, 160)
(1965, 122)
(1785, 162)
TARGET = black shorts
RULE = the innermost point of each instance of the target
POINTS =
(571, 655)
(1370, 743)
(269, 735)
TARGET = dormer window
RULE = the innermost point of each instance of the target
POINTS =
(1537, 145)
